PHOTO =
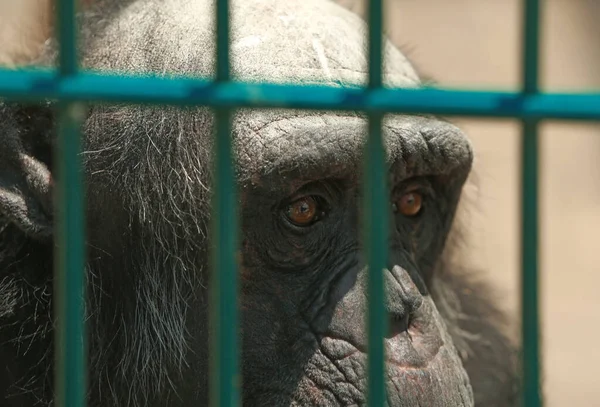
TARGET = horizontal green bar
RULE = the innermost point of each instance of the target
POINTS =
(33, 85)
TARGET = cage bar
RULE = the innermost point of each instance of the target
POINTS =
(224, 353)
(375, 225)
(530, 358)
(69, 282)
(29, 85)
(375, 231)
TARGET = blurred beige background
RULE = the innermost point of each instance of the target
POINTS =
(475, 44)
(24, 25)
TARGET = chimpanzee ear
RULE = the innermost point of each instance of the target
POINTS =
(25, 163)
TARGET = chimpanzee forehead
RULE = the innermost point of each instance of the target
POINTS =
(308, 41)
(285, 145)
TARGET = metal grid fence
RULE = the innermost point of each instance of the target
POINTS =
(71, 88)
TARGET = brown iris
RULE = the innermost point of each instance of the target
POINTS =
(303, 212)
(409, 204)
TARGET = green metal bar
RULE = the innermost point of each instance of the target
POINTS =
(376, 240)
(65, 19)
(529, 261)
(69, 283)
(531, 45)
(376, 209)
(530, 167)
(222, 68)
(35, 85)
(375, 21)
(70, 260)
(225, 379)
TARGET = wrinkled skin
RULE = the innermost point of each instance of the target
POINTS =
(303, 288)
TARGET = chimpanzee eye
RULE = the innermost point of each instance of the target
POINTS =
(304, 211)
(409, 204)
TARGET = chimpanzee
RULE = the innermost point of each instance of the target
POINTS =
(148, 172)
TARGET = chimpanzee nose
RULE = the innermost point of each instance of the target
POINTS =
(347, 322)
(403, 300)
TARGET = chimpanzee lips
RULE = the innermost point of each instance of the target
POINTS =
(422, 366)
(418, 372)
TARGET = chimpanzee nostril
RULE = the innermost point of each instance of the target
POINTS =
(397, 324)
(403, 300)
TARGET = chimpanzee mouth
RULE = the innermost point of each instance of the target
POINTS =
(420, 370)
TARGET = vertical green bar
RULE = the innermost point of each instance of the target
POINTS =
(65, 17)
(531, 48)
(225, 380)
(530, 282)
(222, 41)
(376, 210)
(70, 259)
(70, 242)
